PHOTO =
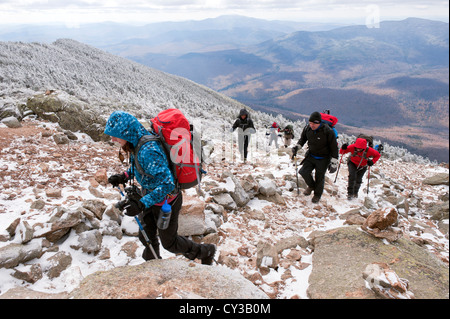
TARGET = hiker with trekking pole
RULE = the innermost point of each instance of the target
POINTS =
(362, 157)
(157, 203)
(322, 154)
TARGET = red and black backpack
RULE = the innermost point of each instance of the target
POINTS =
(174, 132)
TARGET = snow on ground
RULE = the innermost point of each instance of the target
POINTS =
(69, 167)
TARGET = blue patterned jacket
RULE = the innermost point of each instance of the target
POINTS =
(151, 157)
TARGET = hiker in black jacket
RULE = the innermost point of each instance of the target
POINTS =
(245, 127)
(322, 154)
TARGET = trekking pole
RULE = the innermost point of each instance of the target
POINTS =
(368, 181)
(339, 166)
(296, 174)
(120, 191)
(147, 240)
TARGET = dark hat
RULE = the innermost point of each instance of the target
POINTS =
(315, 118)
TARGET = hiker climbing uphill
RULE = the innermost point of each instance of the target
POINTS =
(322, 154)
(273, 132)
(362, 156)
(288, 135)
(245, 127)
(149, 165)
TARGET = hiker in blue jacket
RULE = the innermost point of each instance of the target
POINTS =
(157, 185)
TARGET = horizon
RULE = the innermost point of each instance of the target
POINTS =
(82, 12)
(370, 23)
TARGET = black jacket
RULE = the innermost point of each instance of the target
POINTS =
(243, 124)
(321, 142)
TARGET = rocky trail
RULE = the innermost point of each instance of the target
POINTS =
(61, 237)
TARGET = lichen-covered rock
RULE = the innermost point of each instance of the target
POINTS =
(165, 278)
(342, 254)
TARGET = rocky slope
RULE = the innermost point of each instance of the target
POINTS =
(58, 225)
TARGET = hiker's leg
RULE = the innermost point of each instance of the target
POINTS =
(169, 237)
(176, 244)
(246, 138)
(150, 228)
(359, 177)
(321, 169)
(306, 172)
(351, 179)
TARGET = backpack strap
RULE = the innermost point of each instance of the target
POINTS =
(144, 139)
(363, 156)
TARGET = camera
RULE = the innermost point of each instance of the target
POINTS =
(130, 192)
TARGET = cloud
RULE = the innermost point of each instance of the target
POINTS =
(80, 11)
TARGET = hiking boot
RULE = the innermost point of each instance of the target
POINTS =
(208, 252)
(308, 191)
(315, 199)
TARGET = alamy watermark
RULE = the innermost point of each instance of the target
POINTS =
(373, 16)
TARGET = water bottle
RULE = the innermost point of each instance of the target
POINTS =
(164, 216)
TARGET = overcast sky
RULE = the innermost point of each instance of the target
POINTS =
(75, 12)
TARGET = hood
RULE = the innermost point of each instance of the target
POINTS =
(361, 143)
(125, 126)
(243, 112)
(274, 125)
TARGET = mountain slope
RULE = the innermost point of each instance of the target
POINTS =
(103, 80)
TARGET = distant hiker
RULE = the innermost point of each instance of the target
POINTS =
(157, 186)
(379, 148)
(288, 135)
(322, 154)
(245, 127)
(274, 129)
(362, 156)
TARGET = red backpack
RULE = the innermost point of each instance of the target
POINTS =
(329, 119)
(174, 132)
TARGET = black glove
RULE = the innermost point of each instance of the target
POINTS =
(294, 151)
(117, 179)
(133, 207)
(369, 162)
(344, 146)
(333, 165)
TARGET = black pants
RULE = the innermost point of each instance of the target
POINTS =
(320, 166)
(246, 138)
(355, 176)
(243, 145)
(169, 237)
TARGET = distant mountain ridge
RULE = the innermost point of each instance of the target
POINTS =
(223, 32)
(395, 75)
